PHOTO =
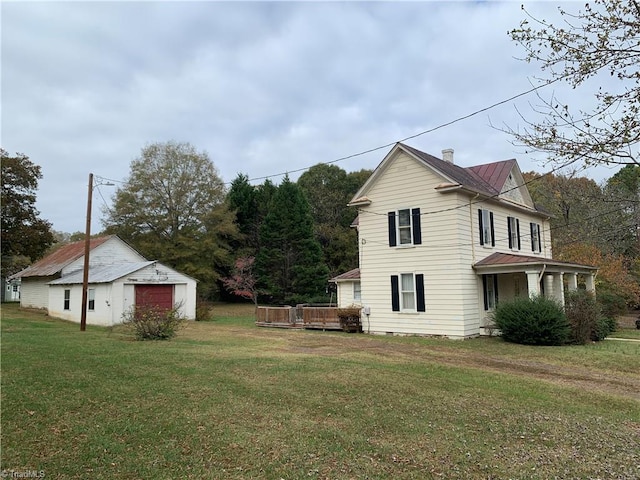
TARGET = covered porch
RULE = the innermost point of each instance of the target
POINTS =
(505, 276)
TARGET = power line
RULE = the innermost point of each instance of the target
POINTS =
(424, 132)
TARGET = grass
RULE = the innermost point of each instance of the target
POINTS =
(228, 400)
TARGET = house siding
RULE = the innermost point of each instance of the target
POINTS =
(35, 292)
(450, 247)
(437, 257)
(110, 252)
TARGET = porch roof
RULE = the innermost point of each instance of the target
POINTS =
(508, 262)
(347, 276)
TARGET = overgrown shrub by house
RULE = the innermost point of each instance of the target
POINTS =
(585, 316)
(532, 321)
(150, 322)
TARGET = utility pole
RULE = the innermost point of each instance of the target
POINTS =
(87, 248)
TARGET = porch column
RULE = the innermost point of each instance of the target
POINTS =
(572, 280)
(533, 286)
(558, 287)
(548, 286)
(590, 281)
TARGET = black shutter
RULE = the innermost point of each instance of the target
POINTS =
(417, 234)
(484, 292)
(493, 235)
(533, 238)
(480, 226)
(509, 231)
(395, 294)
(392, 229)
(518, 230)
(539, 238)
(495, 288)
(420, 301)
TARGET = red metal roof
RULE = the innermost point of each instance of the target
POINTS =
(495, 174)
(56, 261)
(497, 258)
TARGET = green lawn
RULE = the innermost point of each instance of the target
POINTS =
(228, 400)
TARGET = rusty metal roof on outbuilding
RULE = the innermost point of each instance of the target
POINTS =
(52, 264)
(102, 273)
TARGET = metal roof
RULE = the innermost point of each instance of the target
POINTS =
(350, 275)
(52, 264)
(508, 259)
(102, 273)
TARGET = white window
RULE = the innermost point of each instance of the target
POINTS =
(536, 242)
(91, 299)
(513, 227)
(490, 287)
(404, 227)
(407, 292)
(485, 221)
(357, 292)
(67, 299)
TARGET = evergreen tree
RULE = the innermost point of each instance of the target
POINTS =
(243, 199)
(290, 266)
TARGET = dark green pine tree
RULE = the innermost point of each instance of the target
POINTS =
(289, 265)
(242, 198)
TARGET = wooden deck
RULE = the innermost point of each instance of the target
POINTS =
(320, 318)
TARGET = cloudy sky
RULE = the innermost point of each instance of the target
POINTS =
(263, 88)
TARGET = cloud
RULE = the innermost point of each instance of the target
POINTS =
(264, 88)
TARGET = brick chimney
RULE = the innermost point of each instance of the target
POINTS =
(447, 155)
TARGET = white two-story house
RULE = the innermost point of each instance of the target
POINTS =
(440, 245)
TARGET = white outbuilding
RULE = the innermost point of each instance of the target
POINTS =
(119, 279)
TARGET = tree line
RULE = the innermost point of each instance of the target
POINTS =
(290, 238)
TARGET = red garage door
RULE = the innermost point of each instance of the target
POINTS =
(156, 295)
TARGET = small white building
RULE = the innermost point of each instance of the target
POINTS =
(439, 244)
(119, 278)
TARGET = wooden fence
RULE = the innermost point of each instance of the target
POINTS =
(276, 316)
(301, 316)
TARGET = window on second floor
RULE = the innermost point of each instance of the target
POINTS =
(485, 223)
(513, 227)
(404, 227)
(536, 241)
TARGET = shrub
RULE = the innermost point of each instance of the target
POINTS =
(612, 304)
(203, 310)
(604, 327)
(583, 313)
(150, 322)
(532, 321)
(585, 317)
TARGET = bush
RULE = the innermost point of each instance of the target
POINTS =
(150, 322)
(585, 317)
(583, 314)
(203, 310)
(612, 304)
(604, 327)
(532, 321)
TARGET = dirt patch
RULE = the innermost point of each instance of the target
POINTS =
(613, 383)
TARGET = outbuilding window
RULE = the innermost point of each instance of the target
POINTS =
(91, 297)
(67, 299)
